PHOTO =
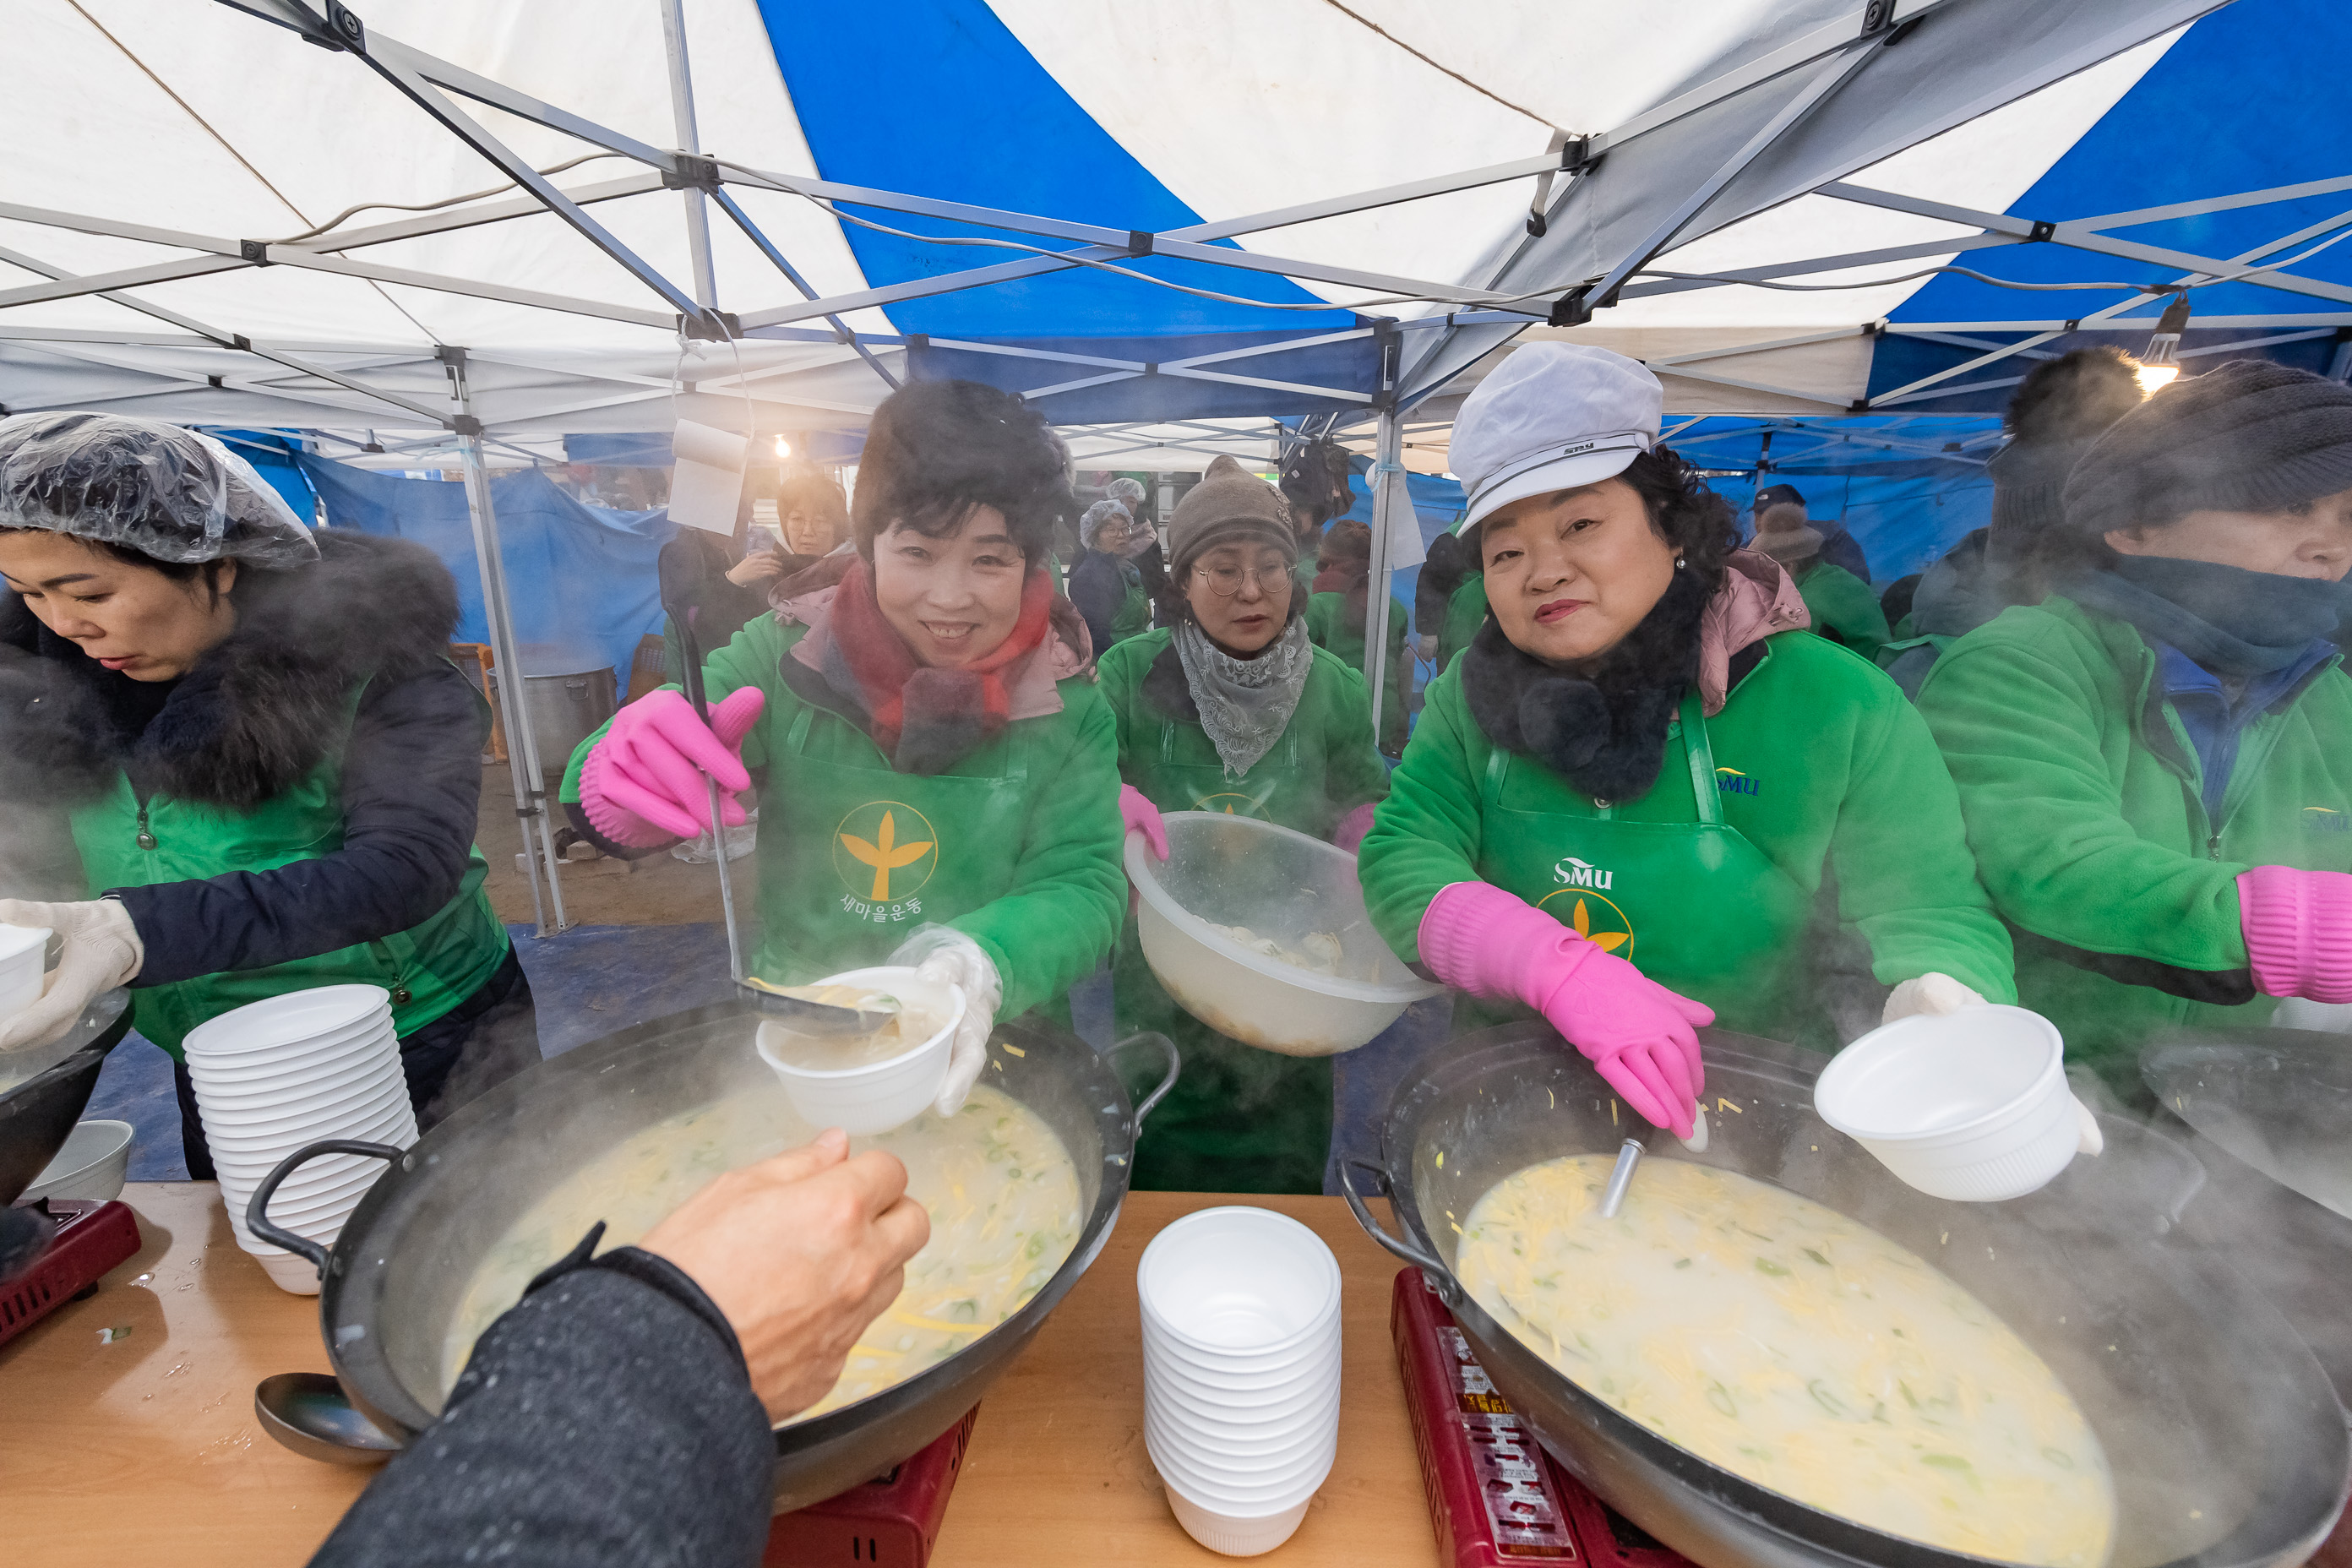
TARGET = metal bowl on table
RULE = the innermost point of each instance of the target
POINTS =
(393, 1282)
(2228, 1447)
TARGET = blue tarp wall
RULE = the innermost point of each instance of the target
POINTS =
(273, 457)
(581, 577)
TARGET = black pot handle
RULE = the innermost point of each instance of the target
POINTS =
(1403, 1249)
(256, 1212)
(1168, 1080)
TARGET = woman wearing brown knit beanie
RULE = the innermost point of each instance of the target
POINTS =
(2155, 761)
(1232, 708)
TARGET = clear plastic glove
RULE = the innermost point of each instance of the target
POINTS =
(1641, 1036)
(102, 950)
(644, 784)
(1135, 810)
(1929, 992)
(944, 954)
(800, 1253)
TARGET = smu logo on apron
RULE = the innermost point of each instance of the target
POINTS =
(1580, 904)
(884, 851)
(1232, 802)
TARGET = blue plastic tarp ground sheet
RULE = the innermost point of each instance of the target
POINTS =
(1352, 364)
(2164, 144)
(581, 579)
(272, 457)
(961, 112)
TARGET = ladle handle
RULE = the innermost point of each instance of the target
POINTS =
(256, 1212)
(1402, 1249)
(1167, 1081)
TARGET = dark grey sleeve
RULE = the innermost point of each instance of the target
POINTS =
(411, 790)
(602, 1423)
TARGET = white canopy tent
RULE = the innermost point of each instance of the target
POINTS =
(432, 225)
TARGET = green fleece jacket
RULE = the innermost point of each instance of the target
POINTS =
(1844, 609)
(2085, 805)
(1042, 892)
(1326, 628)
(1839, 785)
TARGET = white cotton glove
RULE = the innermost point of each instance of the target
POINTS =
(1930, 993)
(102, 950)
(944, 954)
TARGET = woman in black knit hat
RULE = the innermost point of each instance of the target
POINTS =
(2155, 761)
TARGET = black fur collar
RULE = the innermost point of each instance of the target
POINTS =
(1606, 734)
(255, 713)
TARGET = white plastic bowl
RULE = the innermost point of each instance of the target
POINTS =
(1234, 1278)
(22, 949)
(90, 1165)
(1281, 1485)
(1970, 1106)
(1236, 1534)
(268, 1063)
(880, 1096)
(1284, 885)
(289, 1271)
(288, 1019)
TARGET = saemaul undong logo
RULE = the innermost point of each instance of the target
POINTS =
(1590, 915)
(2326, 819)
(1732, 781)
(885, 850)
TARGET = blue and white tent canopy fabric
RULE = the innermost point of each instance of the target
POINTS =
(208, 218)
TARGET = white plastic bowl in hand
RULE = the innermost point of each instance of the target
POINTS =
(1970, 1105)
(22, 950)
(876, 1097)
(1285, 888)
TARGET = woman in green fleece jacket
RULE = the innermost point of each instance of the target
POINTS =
(1627, 799)
(1232, 708)
(2155, 761)
(937, 775)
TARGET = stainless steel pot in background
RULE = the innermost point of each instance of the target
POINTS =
(566, 708)
(394, 1280)
(2226, 1444)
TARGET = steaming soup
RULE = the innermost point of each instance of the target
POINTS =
(918, 1011)
(1786, 1343)
(1000, 1191)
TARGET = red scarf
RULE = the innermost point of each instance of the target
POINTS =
(926, 720)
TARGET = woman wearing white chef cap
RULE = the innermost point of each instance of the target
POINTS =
(1634, 797)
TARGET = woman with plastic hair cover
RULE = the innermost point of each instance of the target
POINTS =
(938, 776)
(1104, 585)
(2155, 760)
(1626, 803)
(1338, 610)
(268, 764)
(1232, 709)
(1142, 539)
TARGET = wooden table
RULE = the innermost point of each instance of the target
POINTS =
(145, 1449)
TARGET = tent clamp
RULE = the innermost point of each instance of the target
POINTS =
(1876, 16)
(2073, 326)
(711, 326)
(216, 383)
(1138, 242)
(2042, 230)
(256, 251)
(693, 173)
(1570, 309)
(346, 31)
(465, 424)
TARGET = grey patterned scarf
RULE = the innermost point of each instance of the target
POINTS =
(1244, 704)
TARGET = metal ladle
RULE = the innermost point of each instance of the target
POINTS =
(1612, 1197)
(800, 1015)
(309, 1413)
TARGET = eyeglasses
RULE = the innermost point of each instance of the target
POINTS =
(1226, 581)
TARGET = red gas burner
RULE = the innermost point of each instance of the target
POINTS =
(92, 1237)
(890, 1522)
(1496, 1498)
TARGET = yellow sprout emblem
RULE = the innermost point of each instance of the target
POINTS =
(884, 852)
(1582, 913)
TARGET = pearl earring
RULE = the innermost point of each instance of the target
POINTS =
(1678, 562)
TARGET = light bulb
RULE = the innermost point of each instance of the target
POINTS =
(2155, 378)
(2159, 367)
(783, 447)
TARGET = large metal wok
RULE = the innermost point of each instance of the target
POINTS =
(2228, 1447)
(393, 1279)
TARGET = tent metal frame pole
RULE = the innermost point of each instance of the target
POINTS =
(522, 742)
(1389, 472)
(842, 332)
(690, 140)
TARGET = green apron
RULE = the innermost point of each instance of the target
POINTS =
(1696, 907)
(1240, 1120)
(850, 856)
(429, 968)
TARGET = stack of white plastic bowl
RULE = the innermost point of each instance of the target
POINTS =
(1241, 1372)
(277, 1075)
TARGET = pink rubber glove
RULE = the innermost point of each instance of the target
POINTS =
(1352, 828)
(1638, 1034)
(1135, 810)
(2298, 929)
(644, 784)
